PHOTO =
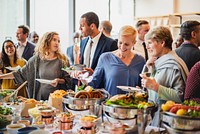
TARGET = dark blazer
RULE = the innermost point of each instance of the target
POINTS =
(28, 50)
(70, 55)
(189, 53)
(105, 44)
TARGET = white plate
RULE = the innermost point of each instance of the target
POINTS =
(44, 81)
(13, 68)
(129, 89)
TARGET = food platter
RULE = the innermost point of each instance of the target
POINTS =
(181, 122)
(179, 131)
(124, 112)
(84, 104)
(130, 89)
(76, 67)
(70, 98)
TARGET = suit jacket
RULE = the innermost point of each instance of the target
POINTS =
(28, 50)
(70, 54)
(105, 44)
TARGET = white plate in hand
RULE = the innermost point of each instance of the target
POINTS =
(13, 68)
(45, 81)
(129, 89)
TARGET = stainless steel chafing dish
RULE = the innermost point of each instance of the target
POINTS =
(134, 117)
(83, 104)
(124, 112)
(186, 123)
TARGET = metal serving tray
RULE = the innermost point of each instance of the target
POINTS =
(181, 122)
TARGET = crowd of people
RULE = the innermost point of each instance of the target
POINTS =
(111, 62)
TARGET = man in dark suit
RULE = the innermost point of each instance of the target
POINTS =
(95, 42)
(25, 49)
(189, 51)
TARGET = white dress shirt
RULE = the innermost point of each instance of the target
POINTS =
(20, 48)
(93, 49)
(139, 48)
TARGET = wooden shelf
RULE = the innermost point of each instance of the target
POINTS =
(184, 14)
(175, 26)
(167, 16)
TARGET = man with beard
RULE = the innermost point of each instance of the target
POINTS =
(95, 42)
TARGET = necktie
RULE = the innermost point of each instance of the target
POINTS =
(88, 62)
(145, 51)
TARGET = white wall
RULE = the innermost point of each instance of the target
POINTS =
(153, 7)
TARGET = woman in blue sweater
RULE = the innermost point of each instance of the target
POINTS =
(120, 67)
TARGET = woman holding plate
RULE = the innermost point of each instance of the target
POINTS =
(120, 67)
(47, 63)
(9, 61)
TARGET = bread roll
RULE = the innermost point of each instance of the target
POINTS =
(82, 94)
(96, 94)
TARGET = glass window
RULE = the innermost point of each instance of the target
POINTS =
(51, 17)
(12, 15)
(119, 15)
(100, 7)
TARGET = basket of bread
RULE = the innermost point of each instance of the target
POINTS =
(55, 98)
(184, 116)
(28, 104)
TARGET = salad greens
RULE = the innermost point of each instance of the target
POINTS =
(5, 110)
(120, 102)
(3, 120)
(193, 113)
(5, 93)
(191, 103)
(82, 87)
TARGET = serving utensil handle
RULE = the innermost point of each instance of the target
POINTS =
(15, 91)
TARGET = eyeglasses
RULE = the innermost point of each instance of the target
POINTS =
(6, 47)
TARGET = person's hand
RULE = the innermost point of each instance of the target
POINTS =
(90, 70)
(84, 82)
(150, 62)
(149, 82)
(54, 82)
(1, 73)
(75, 74)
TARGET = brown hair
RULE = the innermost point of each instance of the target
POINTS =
(141, 22)
(42, 47)
(159, 34)
(91, 17)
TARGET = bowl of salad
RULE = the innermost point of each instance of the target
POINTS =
(6, 116)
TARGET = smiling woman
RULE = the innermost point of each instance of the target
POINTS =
(10, 59)
(126, 66)
(47, 57)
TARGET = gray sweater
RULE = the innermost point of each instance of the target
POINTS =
(30, 72)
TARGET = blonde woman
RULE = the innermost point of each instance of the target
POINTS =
(120, 67)
(45, 64)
